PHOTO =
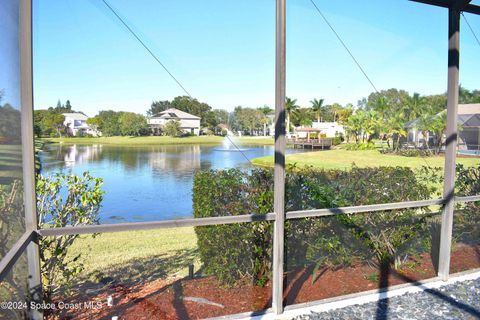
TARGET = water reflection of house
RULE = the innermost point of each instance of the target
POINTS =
(76, 155)
(178, 159)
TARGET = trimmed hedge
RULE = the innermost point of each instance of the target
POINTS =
(244, 251)
(235, 251)
(466, 219)
(409, 152)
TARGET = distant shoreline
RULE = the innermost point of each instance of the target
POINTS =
(161, 140)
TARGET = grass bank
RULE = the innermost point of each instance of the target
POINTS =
(137, 255)
(343, 159)
(155, 140)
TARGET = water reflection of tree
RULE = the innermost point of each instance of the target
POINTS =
(10, 129)
(157, 158)
(12, 220)
(11, 189)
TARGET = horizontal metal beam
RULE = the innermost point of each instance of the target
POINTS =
(8, 261)
(245, 218)
(231, 219)
(467, 199)
(363, 209)
(155, 225)
(437, 3)
(18, 248)
(470, 8)
(473, 9)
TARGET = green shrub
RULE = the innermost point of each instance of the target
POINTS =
(466, 225)
(243, 251)
(409, 152)
(468, 180)
(360, 146)
(64, 200)
(187, 134)
(236, 251)
(336, 141)
(172, 128)
(380, 236)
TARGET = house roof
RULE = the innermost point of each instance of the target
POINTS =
(75, 116)
(173, 113)
(308, 130)
(468, 116)
(411, 124)
(471, 108)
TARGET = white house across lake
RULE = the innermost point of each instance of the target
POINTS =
(76, 124)
(188, 122)
(330, 129)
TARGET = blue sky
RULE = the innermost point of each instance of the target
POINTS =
(223, 51)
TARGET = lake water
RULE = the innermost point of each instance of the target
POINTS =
(145, 183)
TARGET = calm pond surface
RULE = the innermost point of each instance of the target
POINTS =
(145, 183)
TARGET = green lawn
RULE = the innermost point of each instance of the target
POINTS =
(154, 140)
(343, 159)
(255, 141)
(137, 255)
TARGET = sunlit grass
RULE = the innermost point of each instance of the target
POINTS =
(137, 255)
(344, 159)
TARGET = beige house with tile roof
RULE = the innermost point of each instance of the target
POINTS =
(188, 122)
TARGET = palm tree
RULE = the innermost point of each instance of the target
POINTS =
(396, 129)
(438, 127)
(363, 124)
(355, 125)
(290, 108)
(336, 109)
(423, 125)
(265, 110)
(383, 108)
(344, 114)
(416, 106)
(303, 116)
(371, 125)
(317, 107)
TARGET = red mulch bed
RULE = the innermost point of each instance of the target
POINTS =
(169, 299)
